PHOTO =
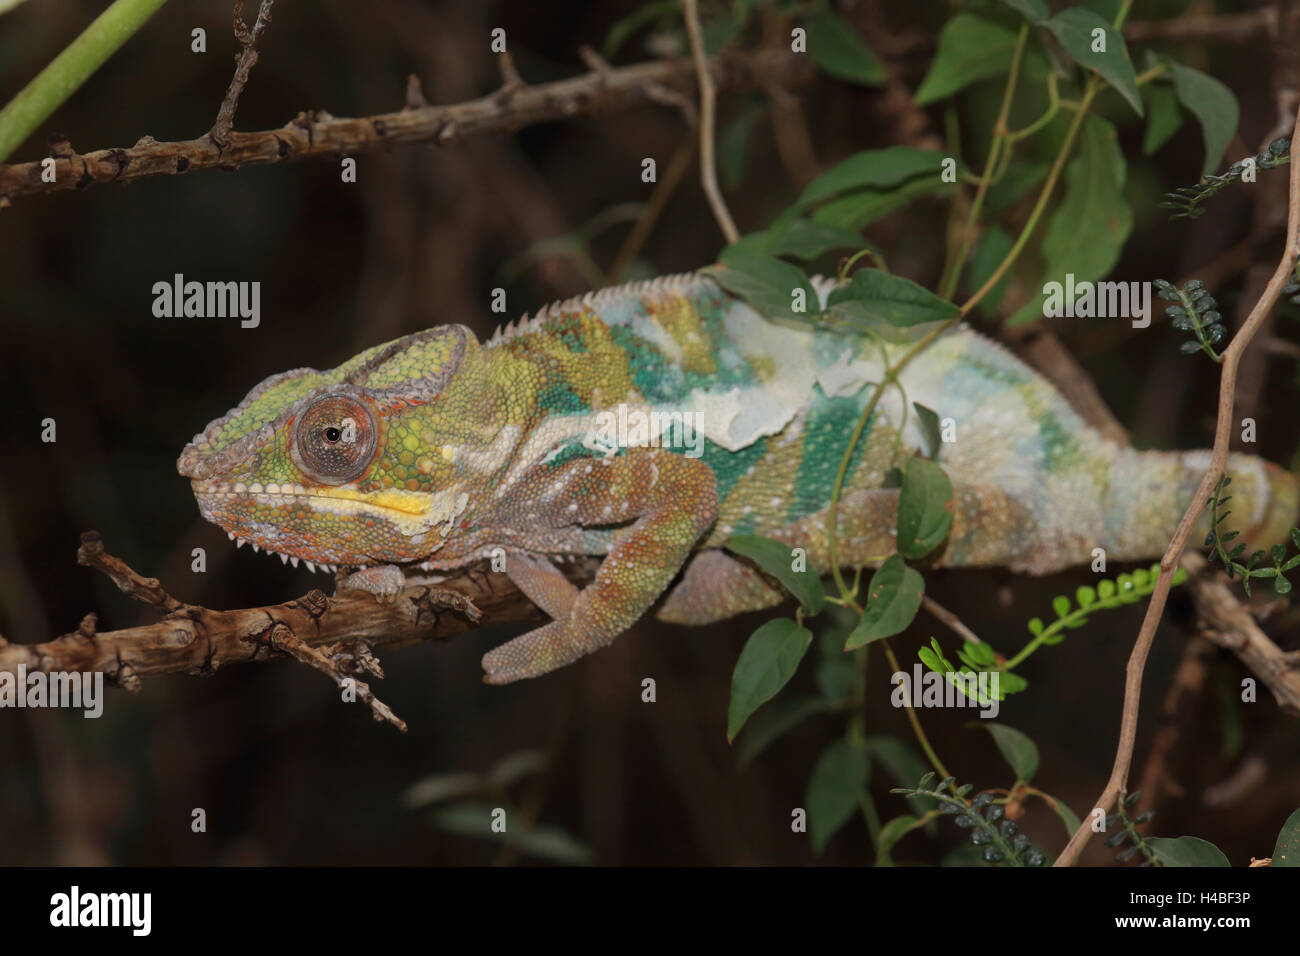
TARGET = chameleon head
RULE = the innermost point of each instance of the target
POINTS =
(335, 467)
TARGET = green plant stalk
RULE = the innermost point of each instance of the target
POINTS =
(952, 272)
(919, 733)
(1053, 107)
(1094, 86)
(1079, 616)
(71, 68)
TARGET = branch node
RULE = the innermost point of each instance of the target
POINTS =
(511, 81)
(415, 94)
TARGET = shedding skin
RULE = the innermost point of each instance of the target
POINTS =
(649, 424)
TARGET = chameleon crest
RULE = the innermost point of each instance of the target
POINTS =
(651, 422)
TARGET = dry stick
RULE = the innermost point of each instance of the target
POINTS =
(333, 634)
(317, 134)
(220, 132)
(708, 167)
(1168, 563)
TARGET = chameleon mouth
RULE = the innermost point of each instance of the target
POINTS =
(401, 503)
(278, 517)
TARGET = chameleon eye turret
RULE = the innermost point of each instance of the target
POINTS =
(335, 437)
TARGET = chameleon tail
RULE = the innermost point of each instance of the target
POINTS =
(1150, 491)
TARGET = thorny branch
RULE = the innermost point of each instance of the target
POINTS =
(248, 55)
(316, 134)
(1168, 563)
(334, 635)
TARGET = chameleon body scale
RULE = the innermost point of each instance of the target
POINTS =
(649, 423)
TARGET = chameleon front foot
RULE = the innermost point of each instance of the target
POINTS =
(384, 581)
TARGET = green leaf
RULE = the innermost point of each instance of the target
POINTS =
(923, 516)
(1020, 753)
(1213, 105)
(991, 248)
(775, 721)
(1163, 116)
(768, 661)
(1035, 11)
(717, 34)
(878, 168)
(1063, 811)
(1089, 228)
(893, 598)
(1187, 851)
(1074, 29)
(473, 818)
(837, 784)
(766, 283)
(777, 559)
(904, 766)
(980, 657)
(874, 298)
(805, 239)
(1016, 182)
(929, 422)
(1287, 850)
(970, 48)
(836, 671)
(736, 144)
(634, 21)
(857, 210)
(838, 51)
(895, 830)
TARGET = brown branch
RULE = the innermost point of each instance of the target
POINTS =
(1222, 436)
(331, 634)
(1229, 624)
(220, 132)
(1222, 27)
(953, 622)
(708, 97)
(316, 134)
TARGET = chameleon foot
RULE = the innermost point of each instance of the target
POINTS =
(383, 581)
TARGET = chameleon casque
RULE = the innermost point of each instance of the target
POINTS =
(429, 452)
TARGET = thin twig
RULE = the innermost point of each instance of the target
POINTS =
(1168, 564)
(953, 622)
(247, 37)
(708, 96)
(319, 135)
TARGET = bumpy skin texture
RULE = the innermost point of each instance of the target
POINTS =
(432, 451)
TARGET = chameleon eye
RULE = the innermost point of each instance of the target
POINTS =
(334, 439)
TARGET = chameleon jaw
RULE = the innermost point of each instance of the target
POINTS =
(296, 522)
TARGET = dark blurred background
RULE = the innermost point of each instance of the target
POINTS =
(288, 774)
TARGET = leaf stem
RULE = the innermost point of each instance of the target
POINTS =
(70, 69)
